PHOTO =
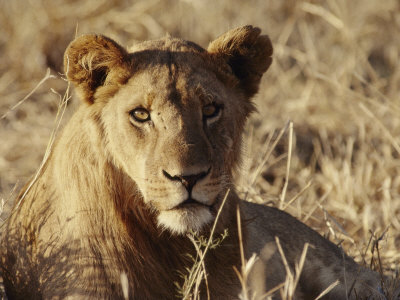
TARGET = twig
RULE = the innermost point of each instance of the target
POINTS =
(46, 77)
(268, 154)
(289, 160)
(395, 144)
(328, 289)
(60, 113)
(209, 242)
(297, 195)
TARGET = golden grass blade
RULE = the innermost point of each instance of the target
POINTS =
(289, 160)
(328, 289)
(46, 77)
(393, 141)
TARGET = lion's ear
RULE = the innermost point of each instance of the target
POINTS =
(92, 61)
(247, 53)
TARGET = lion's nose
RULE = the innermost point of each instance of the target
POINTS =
(188, 181)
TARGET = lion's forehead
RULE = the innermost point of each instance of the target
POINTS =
(167, 43)
(175, 83)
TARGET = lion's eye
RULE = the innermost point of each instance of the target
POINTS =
(140, 114)
(211, 110)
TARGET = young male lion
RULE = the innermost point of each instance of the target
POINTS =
(147, 158)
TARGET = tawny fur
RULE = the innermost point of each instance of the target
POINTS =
(113, 196)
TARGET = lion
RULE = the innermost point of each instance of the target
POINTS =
(147, 159)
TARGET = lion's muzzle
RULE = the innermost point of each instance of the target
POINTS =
(189, 181)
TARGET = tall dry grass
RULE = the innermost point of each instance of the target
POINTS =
(335, 76)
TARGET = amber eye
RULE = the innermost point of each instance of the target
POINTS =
(211, 110)
(140, 114)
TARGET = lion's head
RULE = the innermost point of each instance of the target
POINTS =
(172, 114)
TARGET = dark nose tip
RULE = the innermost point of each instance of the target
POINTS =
(188, 181)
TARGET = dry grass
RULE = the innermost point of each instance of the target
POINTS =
(335, 76)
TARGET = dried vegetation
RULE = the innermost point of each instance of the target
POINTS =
(335, 76)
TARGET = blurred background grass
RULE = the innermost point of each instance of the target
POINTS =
(336, 75)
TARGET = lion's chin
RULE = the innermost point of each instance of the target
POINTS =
(183, 220)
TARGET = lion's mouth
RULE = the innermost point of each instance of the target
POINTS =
(190, 202)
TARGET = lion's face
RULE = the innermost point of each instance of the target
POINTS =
(172, 121)
(173, 130)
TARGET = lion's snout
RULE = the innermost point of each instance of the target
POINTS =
(194, 185)
(188, 181)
